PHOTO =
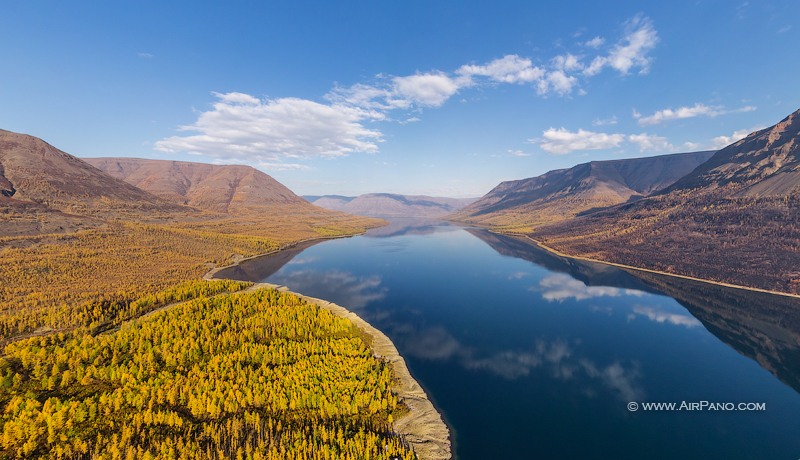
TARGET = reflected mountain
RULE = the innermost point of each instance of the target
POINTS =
(260, 268)
(763, 327)
(409, 226)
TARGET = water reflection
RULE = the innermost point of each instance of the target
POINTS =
(354, 291)
(660, 316)
(410, 226)
(561, 286)
(763, 327)
(496, 339)
(260, 268)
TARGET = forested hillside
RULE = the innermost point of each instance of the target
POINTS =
(257, 375)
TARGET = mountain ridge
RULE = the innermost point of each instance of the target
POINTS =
(225, 189)
(31, 170)
(564, 193)
(742, 205)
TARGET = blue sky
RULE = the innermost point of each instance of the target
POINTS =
(438, 97)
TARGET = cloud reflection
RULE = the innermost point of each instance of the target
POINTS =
(561, 286)
(660, 316)
(344, 288)
(558, 358)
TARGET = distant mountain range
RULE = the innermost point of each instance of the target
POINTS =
(391, 205)
(565, 193)
(219, 188)
(734, 217)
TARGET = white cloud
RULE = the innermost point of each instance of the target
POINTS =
(409, 120)
(560, 141)
(567, 62)
(518, 153)
(604, 121)
(724, 141)
(365, 97)
(631, 52)
(237, 98)
(144, 55)
(651, 143)
(428, 89)
(267, 132)
(784, 29)
(596, 42)
(508, 69)
(696, 110)
(560, 82)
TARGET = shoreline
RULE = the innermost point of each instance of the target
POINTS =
(215, 269)
(647, 270)
(423, 427)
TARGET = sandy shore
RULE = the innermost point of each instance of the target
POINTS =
(657, 272)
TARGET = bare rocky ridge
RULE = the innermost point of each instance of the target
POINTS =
(392, 205)
(564, 193)
(218, 188)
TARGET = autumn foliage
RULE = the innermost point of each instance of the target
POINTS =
(252, 375)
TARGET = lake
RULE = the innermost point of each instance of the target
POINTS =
(531, 355)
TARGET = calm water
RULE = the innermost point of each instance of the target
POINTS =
(529, 355)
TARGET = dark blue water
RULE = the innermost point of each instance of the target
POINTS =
(528, 355)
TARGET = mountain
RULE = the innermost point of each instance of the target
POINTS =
(765, 163)
(37, 177)
(229, 189)
(736, 218)
(392, 205)
(336, 202)
(564, 193)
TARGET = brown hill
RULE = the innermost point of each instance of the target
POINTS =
(393, 205)
(564, 193)
(38, 177)
(735, 218)
(219, 188)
